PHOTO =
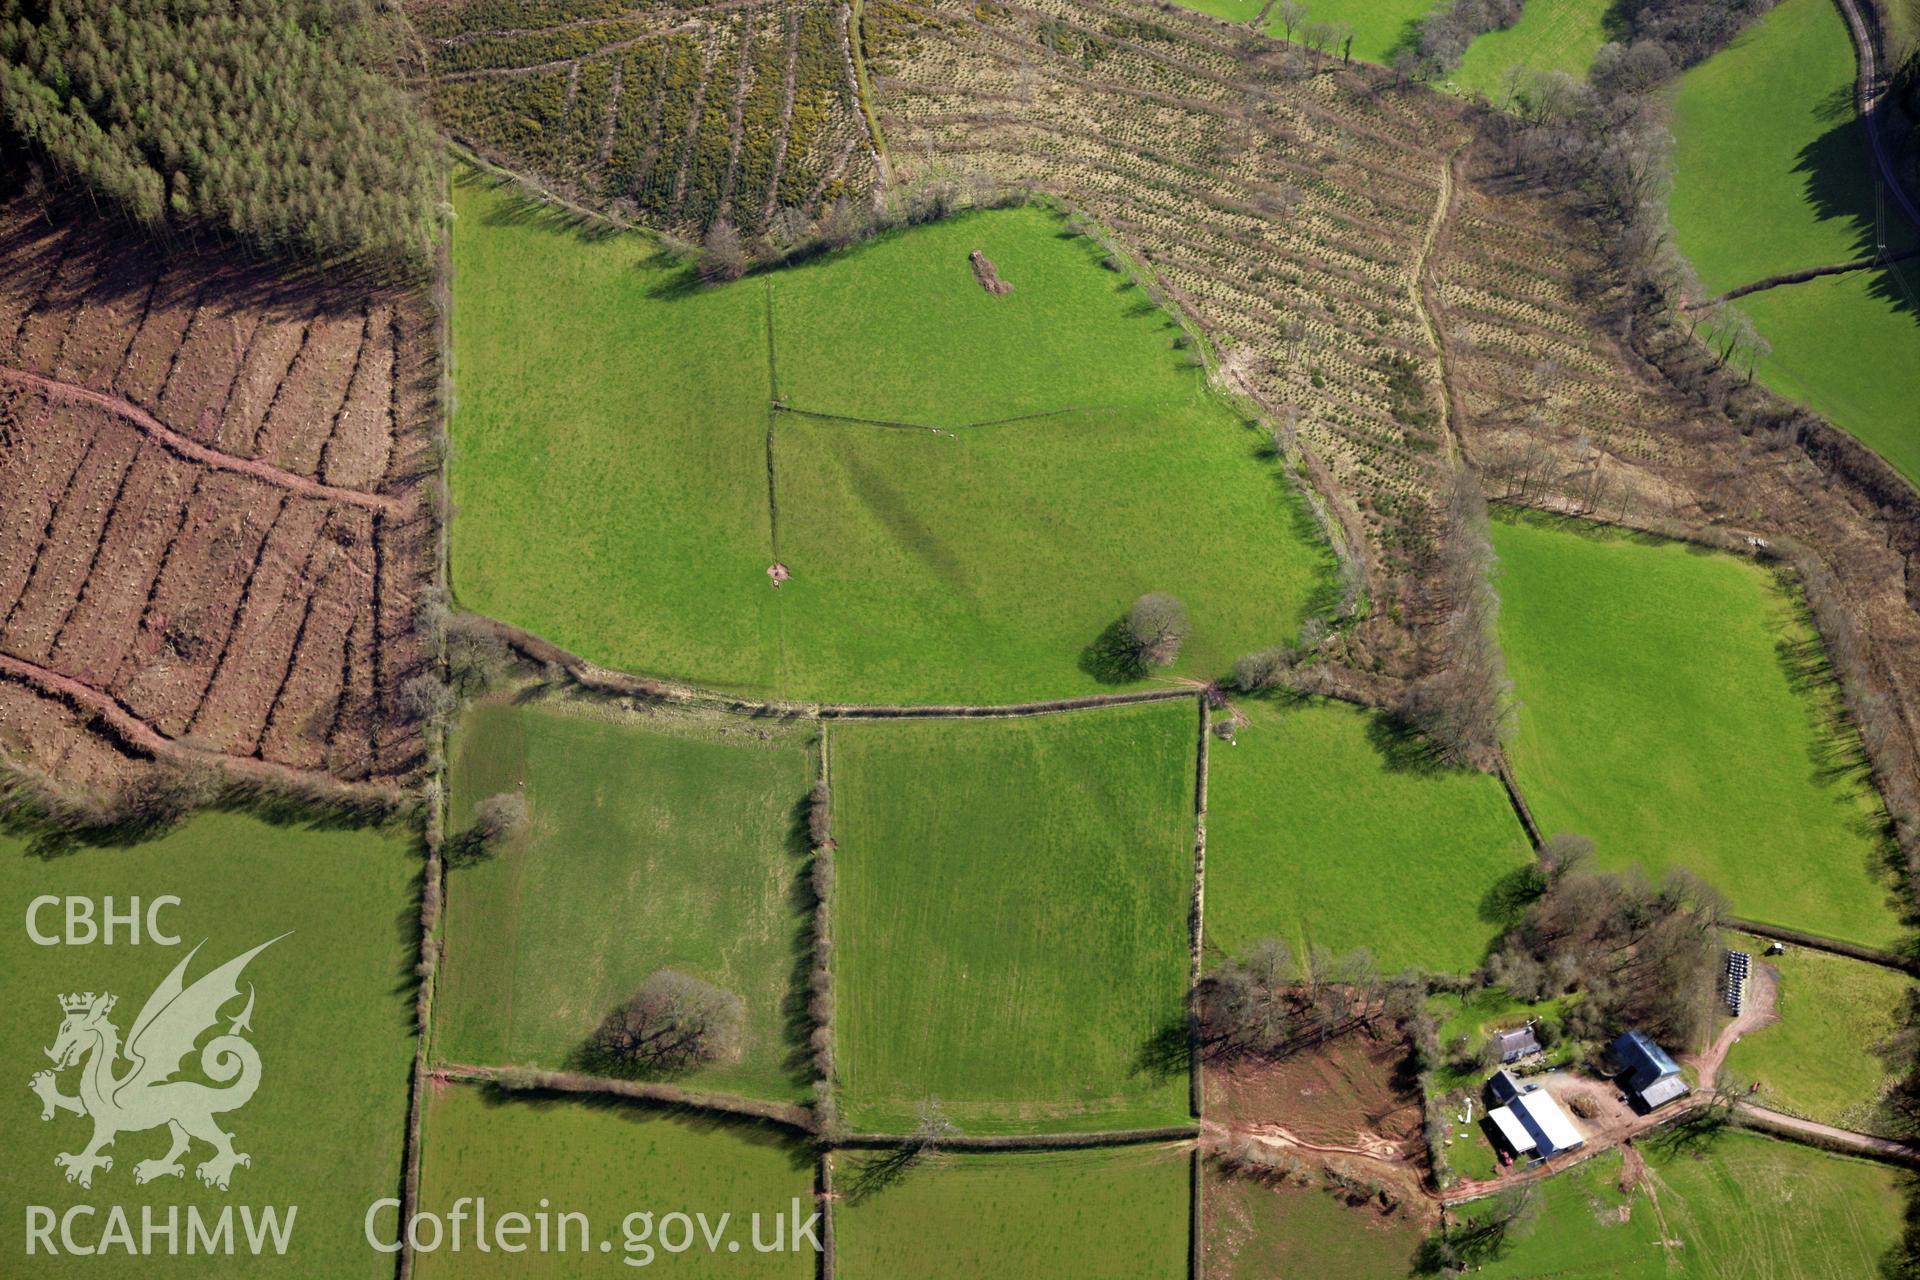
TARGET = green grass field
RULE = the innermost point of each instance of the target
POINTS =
(668, 844)
(1255, 1231)
(1748, 1208)
(1321, 830)
(1771, 168)
(1772, 174)
(1379, 26)
(1825, 1002)
(1011, 914)
(1552, 35)
(1848, 347)
(332, 1022)
(1114, 1214)
(541, 1154)
(922, 567)
(596, 507)
(1658, 716)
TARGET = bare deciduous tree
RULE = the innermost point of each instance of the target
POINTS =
(1156, 626)
(673, 1023)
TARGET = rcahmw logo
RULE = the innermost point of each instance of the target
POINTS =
(132, 1086)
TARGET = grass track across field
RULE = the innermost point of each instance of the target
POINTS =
(1325, 828)
(1820, 1059)
(532, 1153)
(332, 1021)
(1660, 715)
(1110, 1214)
(669, 844)
(611, 464)
(1742, 1208)
(1012, 904)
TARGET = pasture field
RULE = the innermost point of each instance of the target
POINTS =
(1325, 830)
(1109, 1214)
(1848, 347)
(1819, 1059)
(1744, 1208)
(894, 332)
(1552, 35)
(579, 362)
(1771, 174)
(1379, 26)
(523, 1153)
(919, 569)
(332, 1021)
(1664, 712)
(1011, 908)
(668, 845)
(968, 593)
(1255, 1230)
(1771, 167)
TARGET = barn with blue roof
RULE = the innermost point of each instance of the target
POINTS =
(1650, 1078)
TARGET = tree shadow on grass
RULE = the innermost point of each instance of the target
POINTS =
(1696, 1133)
(1113, 657)
(878, 1170)
(1839, 175)
(1507, 898)
(1402, 750)
(1166, 1053)
(798, 1149)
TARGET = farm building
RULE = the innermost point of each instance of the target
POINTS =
(1529, 1121)
(1650, 1078)
(1516, 1044)
(1534, 1125)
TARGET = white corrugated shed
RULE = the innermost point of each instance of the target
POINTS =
(1511, 1129)
(1548, 1122)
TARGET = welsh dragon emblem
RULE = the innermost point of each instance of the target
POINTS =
(145, 1095)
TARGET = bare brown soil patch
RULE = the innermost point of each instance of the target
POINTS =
(213, 542)
(1354, 1094)
(987, 274)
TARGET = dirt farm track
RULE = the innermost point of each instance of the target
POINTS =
(212, 536)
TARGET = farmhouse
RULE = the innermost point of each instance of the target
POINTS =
(1516, 1044)
(1650, 1078)
(1529, 1121)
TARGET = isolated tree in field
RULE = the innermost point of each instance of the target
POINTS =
(722, 255)
(497, 819)
(1156, 627)
(673, 1023)
(1291, 14)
